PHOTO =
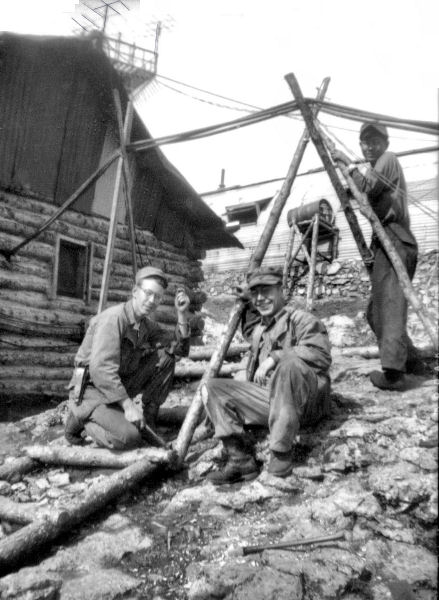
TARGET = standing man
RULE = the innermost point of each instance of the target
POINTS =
(386, 190)
(287, 381)
(125, 365)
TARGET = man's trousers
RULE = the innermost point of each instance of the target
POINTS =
(387, 309)
(106, 423)
(295, 396)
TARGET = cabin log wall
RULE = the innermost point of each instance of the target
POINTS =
(39, 333)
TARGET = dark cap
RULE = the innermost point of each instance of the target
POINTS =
(148, 272)
(264, 276)
(377, 127)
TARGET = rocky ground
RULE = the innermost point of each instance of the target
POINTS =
(369, 474)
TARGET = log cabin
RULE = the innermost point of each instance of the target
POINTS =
(58, 125)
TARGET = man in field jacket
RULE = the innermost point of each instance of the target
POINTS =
(125, 365)
(287, 381)
(386, 190)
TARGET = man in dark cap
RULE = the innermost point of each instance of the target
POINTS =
(287, 382)
(386, 189)
(125, 365)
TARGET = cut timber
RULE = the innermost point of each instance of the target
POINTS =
(16, 467)
(20, 512)
(28, 539)
(78, 456)
(205, 352)
(196, 409)
(196, 370)
(425, 351)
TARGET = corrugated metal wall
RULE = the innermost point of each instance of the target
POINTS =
(49, 118)
(307, 189)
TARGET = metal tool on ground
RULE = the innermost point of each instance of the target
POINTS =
(335, 537)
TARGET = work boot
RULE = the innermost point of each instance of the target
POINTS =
(390, 379)
(240, 465)
(73, 429)
(281, 463)
(417, 366)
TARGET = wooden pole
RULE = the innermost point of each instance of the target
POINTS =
(127, 174)
(327, 163)
(196, 408)
(287, 262)
(312, 266)
(101, 458)
(113, 219)
(28, 539)
(67, 204)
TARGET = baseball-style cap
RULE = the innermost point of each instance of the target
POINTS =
(377, 127)
(146, 272)
(264, 276)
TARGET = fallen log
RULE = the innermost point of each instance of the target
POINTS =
(15, 468)
(20, 512)
(79, 456)
(205, 352)
(196, 370)
(425, 351)
(28, 539)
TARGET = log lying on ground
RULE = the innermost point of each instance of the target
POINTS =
(16, 467)
(197, 370)
(425, 351)
(79, 456)
(26, 540)
(20, 512)
(205, 352)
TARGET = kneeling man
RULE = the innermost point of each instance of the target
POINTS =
(125, 366)
(287, 383)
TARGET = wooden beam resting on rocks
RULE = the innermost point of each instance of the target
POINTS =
(80, 456)
(24, 542)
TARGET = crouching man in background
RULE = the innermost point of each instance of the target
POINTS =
(287, 381)
(125, 366)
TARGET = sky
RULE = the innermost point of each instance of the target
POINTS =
(381, 56)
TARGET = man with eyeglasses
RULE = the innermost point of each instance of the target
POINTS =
(287, 381)
(386, 190)
(125, 366)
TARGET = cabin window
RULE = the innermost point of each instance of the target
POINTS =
(72, 269)
(246, 214)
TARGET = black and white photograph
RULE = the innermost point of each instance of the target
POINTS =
(219, 252)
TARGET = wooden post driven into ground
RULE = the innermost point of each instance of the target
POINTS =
(127, 174)
(327, 163)
(113, 215)
(196, 408)
(288, 262)
(312, 264)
